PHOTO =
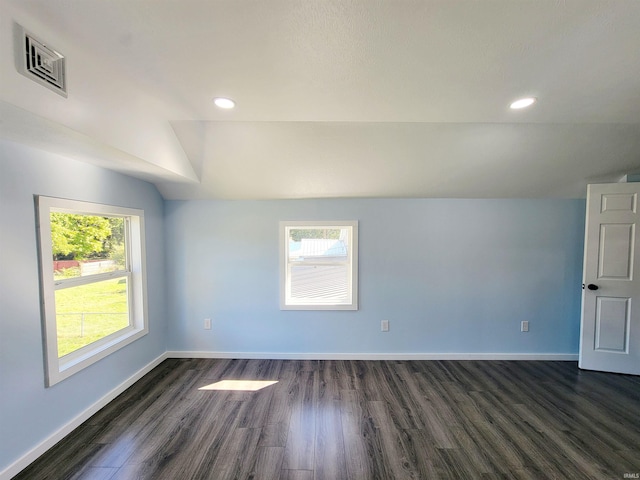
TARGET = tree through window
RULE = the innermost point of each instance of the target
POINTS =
(92, 271)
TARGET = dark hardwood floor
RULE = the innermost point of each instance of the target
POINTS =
(359, 420)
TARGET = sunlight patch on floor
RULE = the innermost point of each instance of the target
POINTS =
(239, 385)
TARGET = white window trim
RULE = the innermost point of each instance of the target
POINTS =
(284, 254)
(57, 369)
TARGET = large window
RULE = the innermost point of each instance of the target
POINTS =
(319, 265)
(93, 282)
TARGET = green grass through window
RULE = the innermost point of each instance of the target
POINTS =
(88, 313)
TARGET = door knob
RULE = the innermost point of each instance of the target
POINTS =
(591, 286)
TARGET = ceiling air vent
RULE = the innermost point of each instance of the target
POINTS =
(39, 61)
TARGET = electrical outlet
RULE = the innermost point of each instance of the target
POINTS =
(384, 325)
(524, 326)
(207, 324)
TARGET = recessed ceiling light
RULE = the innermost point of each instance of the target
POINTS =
(224, 102)
(523, 103)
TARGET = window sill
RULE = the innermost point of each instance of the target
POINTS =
(92, 353)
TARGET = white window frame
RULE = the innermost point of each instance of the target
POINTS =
(286, 302)
(57, 369)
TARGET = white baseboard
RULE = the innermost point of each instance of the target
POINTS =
(28, 458)
(569, 357)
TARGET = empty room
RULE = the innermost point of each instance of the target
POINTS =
(331, 239)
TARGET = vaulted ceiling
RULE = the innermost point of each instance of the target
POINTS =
(335, 98)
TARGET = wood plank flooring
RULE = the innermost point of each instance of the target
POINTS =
(359, 420)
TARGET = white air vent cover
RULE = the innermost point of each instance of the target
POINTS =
(39, 62)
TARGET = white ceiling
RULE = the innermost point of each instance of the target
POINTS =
(339, 98)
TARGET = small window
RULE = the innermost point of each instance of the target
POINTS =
(319, 266)
(93, 282)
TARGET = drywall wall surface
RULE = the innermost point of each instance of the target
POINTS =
(29, 412)
(450, 275)
(108, 113)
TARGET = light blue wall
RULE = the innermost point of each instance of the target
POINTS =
(29, 412)
(451, 276)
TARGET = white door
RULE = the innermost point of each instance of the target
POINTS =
(610, 327)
